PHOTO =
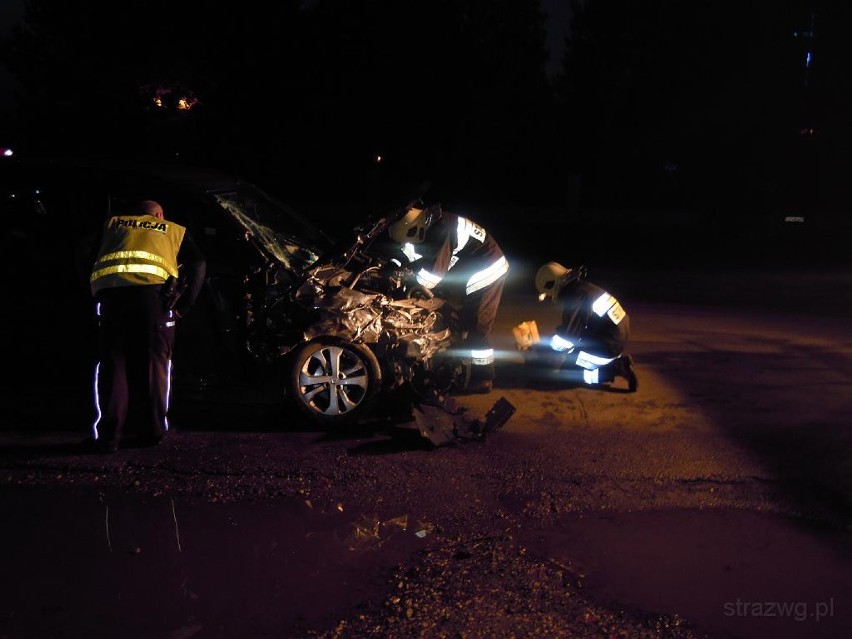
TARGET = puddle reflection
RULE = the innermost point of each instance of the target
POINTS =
(100, 565)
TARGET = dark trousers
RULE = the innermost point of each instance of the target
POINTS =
(136, 340)
(476, 318)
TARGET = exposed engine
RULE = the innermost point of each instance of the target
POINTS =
(364, 303)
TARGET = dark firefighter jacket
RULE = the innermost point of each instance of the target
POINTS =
(590, 314)
(458, 254)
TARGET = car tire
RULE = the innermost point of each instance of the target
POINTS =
(333, 382)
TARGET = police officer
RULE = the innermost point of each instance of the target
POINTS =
(595, 327)
(458, 257)
(147, 274)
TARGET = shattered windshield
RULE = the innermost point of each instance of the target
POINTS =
(281, 231)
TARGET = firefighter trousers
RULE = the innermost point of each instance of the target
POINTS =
(477, 316)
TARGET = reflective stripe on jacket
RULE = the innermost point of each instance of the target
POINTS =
(460, 252)
(136, 249)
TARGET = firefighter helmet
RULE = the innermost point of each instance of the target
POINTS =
(549, 279)
(411, 227)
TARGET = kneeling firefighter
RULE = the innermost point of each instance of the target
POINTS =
(594, 329)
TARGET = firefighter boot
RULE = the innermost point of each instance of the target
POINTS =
(626, 371)
(621, 366)
(479, 387)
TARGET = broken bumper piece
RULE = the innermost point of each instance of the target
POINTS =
(449, 422)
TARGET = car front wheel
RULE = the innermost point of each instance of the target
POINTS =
(333, 382)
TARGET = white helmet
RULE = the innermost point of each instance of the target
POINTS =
(411, 227)
(549, 279)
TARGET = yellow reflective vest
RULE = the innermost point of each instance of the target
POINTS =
(136, 249)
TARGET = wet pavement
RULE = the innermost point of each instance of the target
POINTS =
(89, 564)
(84, 563)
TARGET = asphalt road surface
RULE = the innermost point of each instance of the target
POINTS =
(714, 502)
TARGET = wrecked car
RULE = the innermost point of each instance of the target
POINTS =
(346, 331)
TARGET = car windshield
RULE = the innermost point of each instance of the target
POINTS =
(280, 231)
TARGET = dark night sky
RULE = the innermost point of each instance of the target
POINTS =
(558, 14)
(10, 13)
(38, 114)
(666, 104)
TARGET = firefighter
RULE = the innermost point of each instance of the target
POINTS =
(147, 274)
(456, 258)
(595, 327)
